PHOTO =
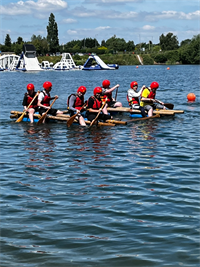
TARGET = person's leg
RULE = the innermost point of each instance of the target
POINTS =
(117, 104)
(30, 114)
(81, 121)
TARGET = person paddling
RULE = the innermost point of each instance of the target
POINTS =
(28, 97)
(133, 97)
(75, 103)
(148, 101)
(107, 93)
(44, 99)
(94, 105)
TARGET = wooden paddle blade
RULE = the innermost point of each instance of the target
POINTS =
(169, 105)
(71, 120)
(41, 119)
(21, 117)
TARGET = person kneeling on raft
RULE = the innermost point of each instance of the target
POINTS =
(28, 97)
(75, 103)
(133, 97)
(148, 101)
(94, 105)
(44, 99)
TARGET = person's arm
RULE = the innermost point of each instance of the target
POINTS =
(144, 96)
(24, 103)
(71, 103)
(111, 89)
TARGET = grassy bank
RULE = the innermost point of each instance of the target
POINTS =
(120, 59)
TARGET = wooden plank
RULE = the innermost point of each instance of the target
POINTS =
(161, 111)
(145, 118)
(60, 118)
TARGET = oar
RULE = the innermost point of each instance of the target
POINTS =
(44, 115)
(167, 105)
(145, 118)
(72, 118)
(22, 116)
(116, 94)
(98, 114)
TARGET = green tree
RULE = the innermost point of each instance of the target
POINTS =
(8, 41)
(52, 34)
(130, 46)
(168, 42)
(20, 40)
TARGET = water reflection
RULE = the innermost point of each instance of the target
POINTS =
(40, 146)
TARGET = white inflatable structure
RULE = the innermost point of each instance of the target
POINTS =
(8, 62)
(66, 63)
(28, 60)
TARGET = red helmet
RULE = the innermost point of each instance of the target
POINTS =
(132, 84)
(106, 83)
(47, 85)
(154, 85)
(97, 90)
(82, 89)
(30, 86)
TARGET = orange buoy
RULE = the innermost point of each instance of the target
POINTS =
(168, 68)
(191, 97)
(136, 66)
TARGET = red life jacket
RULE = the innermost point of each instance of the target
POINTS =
(29, 99)
(78, 103)
(152, 95)
(109, 97)
(46, 100)
(135, 100)
(97, 103)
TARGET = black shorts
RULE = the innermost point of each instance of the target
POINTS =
(111, 104)
(103, 117)
(52, 111)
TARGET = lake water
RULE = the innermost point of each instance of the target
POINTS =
(109, 196)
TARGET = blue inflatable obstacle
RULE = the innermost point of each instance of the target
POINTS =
(135, 115)
(27, 119)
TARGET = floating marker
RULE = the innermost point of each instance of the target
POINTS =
(191, 97)
(168, 68)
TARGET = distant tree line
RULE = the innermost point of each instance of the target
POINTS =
(167, 50)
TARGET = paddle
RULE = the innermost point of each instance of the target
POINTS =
(98, 113)
(72, 118)
(44, 115)
(116, 94)
(167, 105)
(22, 116)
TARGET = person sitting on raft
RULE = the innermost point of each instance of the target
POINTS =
(28, 97)
(148, 101)
(44, 99)
(107, 93)
(75, 103)
(94, 105)
(133, 97)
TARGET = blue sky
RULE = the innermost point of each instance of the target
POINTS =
(134, 20)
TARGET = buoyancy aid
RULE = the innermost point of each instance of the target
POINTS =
(46, 99)
(78, 103)
(30, 98)
(152, 95)
(108, 96)
(97, 103)
(133, 101)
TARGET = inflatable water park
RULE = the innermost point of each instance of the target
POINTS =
(28, 61)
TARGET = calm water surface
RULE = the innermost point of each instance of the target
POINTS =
(112, 196)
